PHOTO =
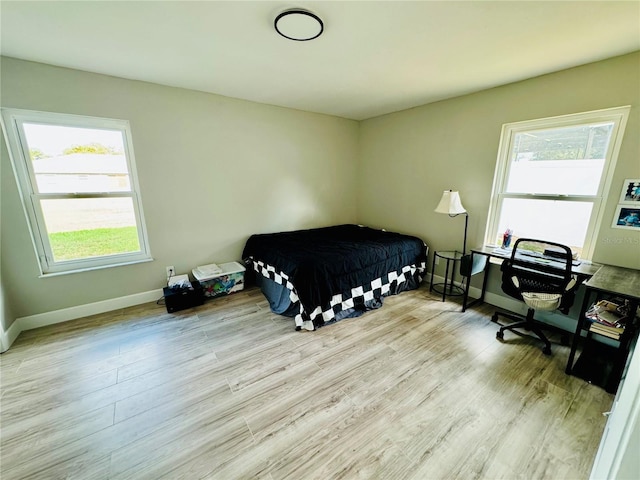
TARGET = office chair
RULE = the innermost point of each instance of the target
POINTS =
(539, 274)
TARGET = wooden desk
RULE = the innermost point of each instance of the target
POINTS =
(613, 282)
(583, 270)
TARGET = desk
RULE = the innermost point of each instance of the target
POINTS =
(616, 282)
(583, 270)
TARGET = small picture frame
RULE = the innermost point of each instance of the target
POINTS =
(630, 191)
(627, 216)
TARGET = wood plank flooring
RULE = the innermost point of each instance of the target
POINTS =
(414, 390)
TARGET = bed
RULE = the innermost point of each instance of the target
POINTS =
(323, 275)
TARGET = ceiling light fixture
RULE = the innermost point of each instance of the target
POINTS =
(299, 25)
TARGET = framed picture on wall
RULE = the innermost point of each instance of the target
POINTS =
(630, 191)
(627, 216)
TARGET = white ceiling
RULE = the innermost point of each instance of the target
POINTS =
(373, 57)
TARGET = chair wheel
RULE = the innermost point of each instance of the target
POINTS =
(499, 334)
(546, 350)
(494, 318)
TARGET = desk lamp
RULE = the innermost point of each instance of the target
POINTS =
(451, 205)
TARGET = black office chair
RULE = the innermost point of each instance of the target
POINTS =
(539, 274)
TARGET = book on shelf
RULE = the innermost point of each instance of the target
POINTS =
(607, 313)
(609, 305)
(607, 331)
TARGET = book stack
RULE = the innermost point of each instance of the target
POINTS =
(607, 331)
(608, 319)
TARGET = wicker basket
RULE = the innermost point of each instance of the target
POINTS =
(542, 301)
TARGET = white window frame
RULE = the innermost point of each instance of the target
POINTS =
(617, 115)
(12, 125)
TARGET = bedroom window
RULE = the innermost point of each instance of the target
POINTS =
(79, 189)
(552, 177)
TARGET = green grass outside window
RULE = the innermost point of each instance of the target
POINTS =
(94, 243)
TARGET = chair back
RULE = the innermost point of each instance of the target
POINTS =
(539, 267)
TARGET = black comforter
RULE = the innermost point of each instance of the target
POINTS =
(323, 262)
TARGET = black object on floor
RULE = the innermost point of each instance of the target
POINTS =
(595, 365)
(176, 299)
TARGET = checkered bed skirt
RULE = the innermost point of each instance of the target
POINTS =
(378, 288)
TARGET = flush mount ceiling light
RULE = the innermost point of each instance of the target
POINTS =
(298, 25)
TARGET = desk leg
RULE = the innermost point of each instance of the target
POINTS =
(577, 335)
(465, 299)
(623, 351)
(485, 278)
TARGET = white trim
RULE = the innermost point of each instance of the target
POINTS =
(554, 319)
(13, 121)
(80, 311)
(9, 336)
(617, 115)
(474, 292)
(619, 441)
(504, 302)
(497, 300)
(72, 313)
(89, 269)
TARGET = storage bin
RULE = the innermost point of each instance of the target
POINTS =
(230, 279)
(176, 299)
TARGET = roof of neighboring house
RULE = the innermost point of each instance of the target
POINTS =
(82, 164)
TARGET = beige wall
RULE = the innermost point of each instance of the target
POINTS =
(212, 170)
(204, 160)
(408, 158)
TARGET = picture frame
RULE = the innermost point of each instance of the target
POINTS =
(627, 217)
(630, 191)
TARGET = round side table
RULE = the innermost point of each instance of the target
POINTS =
(446, 288)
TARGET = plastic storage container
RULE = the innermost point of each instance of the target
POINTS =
(228, 278)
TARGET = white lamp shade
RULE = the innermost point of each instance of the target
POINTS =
(450, 203)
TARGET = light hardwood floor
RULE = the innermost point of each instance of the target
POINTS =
(415, 390)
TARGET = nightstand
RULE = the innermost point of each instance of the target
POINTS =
(446, 288)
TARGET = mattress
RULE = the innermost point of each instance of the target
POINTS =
(332, 269)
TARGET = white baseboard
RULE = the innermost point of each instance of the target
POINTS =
(58, 316)
(512, 305)
(474, 292)
(497, 300)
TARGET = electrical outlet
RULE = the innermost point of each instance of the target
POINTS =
(437, 261)
(170, 272)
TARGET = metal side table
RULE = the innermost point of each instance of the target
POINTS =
(448, 287)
